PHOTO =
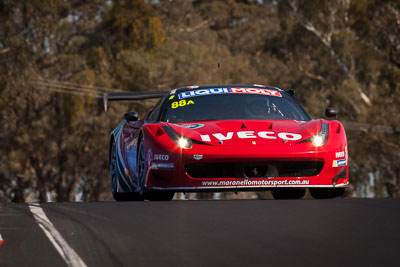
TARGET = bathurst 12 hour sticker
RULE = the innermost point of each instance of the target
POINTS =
(339, 163)
(213, 91)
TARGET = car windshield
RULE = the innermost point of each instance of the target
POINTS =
(189, 107)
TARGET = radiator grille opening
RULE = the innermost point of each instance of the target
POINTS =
(254, 169)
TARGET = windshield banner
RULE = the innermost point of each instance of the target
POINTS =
(213, 91)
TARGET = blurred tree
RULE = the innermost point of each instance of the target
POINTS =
(52, 142)
(347, 52)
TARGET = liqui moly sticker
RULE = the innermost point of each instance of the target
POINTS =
(216, 91)
(209, 91)
(256, 91)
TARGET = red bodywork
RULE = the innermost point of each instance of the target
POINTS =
(233, 155)
(248, 146)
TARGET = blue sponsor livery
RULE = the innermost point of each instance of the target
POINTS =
(209, 91)
(213, 91)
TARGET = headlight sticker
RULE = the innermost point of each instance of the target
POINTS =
(191, 126)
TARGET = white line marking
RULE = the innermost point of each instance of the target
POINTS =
(67, 253)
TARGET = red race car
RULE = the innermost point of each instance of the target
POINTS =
(226, 138)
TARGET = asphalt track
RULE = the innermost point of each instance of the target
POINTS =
(338, 232)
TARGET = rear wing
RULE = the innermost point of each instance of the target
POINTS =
(128, 96)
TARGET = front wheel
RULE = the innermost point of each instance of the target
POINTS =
(118, 196)
(141, 170)
(143, 191)
(159, 195)
(325, 193)
(288, 193)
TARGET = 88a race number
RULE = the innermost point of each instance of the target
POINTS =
(181, 103)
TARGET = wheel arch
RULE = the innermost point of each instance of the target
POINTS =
(139, 140)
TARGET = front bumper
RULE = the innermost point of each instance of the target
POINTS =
(233, 172)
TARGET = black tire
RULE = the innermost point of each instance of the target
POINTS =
(159, 195)
(118, 196)
(288, 193)
(141, 170)
(325, 193)
(143, 191)
(113, 173)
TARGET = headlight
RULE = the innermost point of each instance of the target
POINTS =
(317, 140)
(185, 142)
(320, 138)
(179, 140)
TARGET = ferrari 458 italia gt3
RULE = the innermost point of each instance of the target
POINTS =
(226, 138)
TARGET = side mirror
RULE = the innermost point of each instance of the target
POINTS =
(291, 92)
(131, 116)
(331, 112)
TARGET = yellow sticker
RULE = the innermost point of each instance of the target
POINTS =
(171, 97)
(181, 103)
